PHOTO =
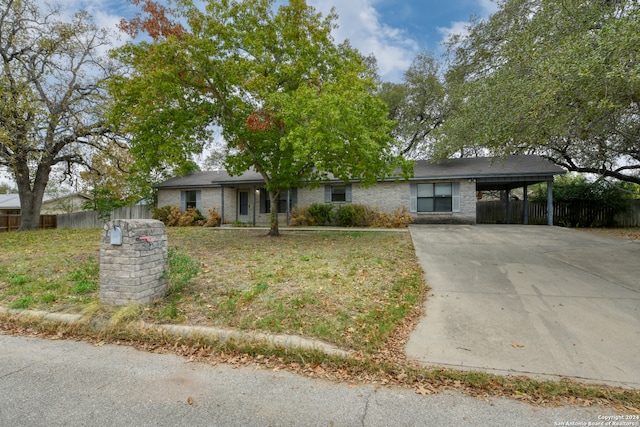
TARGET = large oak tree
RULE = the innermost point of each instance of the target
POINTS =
(51, 100)
(291, 103)
(418, 106)
(557, 78)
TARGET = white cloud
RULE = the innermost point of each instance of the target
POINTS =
(486, 8)
(456, 28)
(359, 22)
(103, 14)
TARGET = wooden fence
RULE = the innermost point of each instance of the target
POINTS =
(573, 215)
(91, 219)
(12, 222)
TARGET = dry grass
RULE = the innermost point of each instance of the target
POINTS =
(632, 233)
(349, 288)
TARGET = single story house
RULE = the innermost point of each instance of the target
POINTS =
(438, 192)
(10, 204)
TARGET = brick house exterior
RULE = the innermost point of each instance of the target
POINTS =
(442, 192)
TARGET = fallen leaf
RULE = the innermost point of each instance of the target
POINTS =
(423, 391)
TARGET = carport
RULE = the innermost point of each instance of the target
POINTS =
(519, 172)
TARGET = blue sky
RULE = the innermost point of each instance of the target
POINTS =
(395, 31)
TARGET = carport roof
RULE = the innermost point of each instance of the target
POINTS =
(489, 173)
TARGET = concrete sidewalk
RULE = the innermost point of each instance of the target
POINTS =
(533, 300)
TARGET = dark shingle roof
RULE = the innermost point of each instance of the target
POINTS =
(516, 168)
(486, 167)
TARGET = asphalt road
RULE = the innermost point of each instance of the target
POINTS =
(535, 300)
(67, 383)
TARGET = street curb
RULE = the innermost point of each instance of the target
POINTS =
(186, 331)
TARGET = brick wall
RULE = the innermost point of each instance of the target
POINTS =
(386, 196)
(133, 272)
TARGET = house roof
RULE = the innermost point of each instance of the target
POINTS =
(9, 201)
(489, 173)
(12, 201)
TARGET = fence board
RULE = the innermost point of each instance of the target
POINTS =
(12, 222)
(91, 219)
(581, 214)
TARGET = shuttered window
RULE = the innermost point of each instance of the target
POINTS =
(337, 193)
(190, 199)
(435, 197)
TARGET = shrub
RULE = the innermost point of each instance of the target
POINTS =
(162, 214)
(380, 219)
(402, 218)
(173, 219)
(300, 216)
(213, 219)
(191, 217)
(345, 215)
(350, 215)
(171, 216)
(321, 213)
(364, 215)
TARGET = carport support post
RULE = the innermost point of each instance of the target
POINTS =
(508, 213)
(550, 202)
(525, 205)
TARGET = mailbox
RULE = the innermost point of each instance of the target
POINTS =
(116, 235)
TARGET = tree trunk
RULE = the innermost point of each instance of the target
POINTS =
(31, 198)
(274, 196)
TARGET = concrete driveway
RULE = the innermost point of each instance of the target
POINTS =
(533, 300)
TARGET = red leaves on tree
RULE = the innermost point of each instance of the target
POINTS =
(261, 121)
(157, 24)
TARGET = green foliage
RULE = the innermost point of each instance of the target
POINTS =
(560, 79)
(353, 215)
(7, 188)
(322, 213)
(104, 201)
(182, 268)
(345, 215)
(349, 215)
(418, 105)
(584, 199)
(291, 103)
(85, 278)
(23, 303)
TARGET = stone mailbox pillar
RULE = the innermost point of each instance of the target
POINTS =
(133, 261)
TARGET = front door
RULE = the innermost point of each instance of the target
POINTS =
(243, 206)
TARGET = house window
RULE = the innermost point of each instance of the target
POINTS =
(337, 193)
(265, 200)
(190, 199)
(435, 197)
